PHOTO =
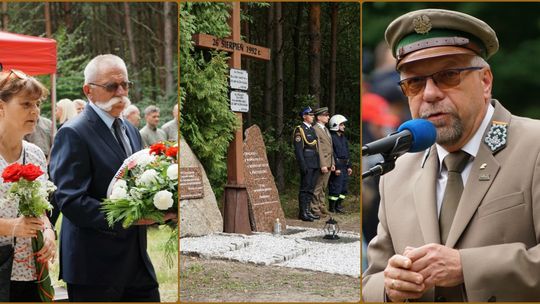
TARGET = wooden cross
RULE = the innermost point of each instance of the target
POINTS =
(236, 215)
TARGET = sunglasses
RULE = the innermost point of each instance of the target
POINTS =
(444, 79)
(113, 86)
(17, 73)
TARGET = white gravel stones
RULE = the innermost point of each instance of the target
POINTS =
(305, 249)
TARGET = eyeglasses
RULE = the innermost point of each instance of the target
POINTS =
(444, 79)
(113, 86)
(17, 73)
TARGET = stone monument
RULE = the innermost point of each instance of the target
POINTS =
(264, 204)
(199, 213)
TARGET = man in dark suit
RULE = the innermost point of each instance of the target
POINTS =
(305, 149)
(98, 262)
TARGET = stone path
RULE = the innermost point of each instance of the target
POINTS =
(298, 247)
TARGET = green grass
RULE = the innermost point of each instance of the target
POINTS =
(167, 276)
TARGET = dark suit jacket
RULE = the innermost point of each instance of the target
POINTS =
(84, 158)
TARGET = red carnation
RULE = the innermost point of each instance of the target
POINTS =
(12, 173)
(172, 152)
(30, 172)
(158, 148)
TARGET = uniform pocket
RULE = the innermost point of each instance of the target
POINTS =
(500, 204)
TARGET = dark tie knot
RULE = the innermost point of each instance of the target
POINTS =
(117, 123)
(456, 161)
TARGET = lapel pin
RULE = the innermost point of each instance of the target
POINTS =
(483, 177)
(483, 166)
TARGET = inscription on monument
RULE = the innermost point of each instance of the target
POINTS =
(264, 203)
(191, 184)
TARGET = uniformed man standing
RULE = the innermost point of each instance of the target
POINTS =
(326, 162)
(305, 149)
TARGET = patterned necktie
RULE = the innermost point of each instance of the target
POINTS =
(117, 126)
(455, 162)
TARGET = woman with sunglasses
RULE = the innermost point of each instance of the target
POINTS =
(20, 98)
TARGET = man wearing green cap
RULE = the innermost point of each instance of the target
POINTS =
(461, 221)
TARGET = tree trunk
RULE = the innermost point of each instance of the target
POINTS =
(68, 16)
(269, 71)
(296, 47)
(280, 176)
(48, 30)
(5, 16)
(333, 57)
(168, 45)
(315, 51)
(246, 63)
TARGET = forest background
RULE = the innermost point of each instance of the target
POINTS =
(145, 35)
(315, 50)
(515, 66)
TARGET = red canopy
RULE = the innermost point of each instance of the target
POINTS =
(32, 55)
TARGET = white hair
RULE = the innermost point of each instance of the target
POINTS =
(130, 109)
(100, 62)
(79, 102)
(68, 109)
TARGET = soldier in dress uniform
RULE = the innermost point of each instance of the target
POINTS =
(305, 149)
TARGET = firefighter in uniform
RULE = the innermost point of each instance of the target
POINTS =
(337, 186)
(305, 149)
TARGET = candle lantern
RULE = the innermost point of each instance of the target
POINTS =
(331, 229)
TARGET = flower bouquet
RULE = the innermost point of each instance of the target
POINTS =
(32, 197)
(146, 188)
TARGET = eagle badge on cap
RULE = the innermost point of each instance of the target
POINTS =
(422, 24)
(496, 137)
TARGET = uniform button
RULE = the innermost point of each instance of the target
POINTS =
(492, 299)
(440, 299)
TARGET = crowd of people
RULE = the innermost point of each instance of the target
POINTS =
(99, 263)
(323, 157)
(67, 109)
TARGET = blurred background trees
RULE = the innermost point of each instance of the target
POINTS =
(315, 61)
(515, 66)
(145, 35)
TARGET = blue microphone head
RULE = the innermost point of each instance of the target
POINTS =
(423, 133)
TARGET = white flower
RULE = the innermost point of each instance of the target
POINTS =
(147, 178)
(120, 184)
(163, 200)
(118, 193)
(144, 159)
(135, 193)
(172, 172)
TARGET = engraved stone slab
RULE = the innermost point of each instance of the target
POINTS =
(198, 216)
(191, 184)
(264, 203)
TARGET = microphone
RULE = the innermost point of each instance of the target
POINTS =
(412, 136)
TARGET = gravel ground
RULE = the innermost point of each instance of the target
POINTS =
(303, 248)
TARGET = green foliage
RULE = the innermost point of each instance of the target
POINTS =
(71, 62)
(206, 123)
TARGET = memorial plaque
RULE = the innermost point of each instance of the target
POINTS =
(264, 203)
(238, 79)
(239, 101)
(191, 184)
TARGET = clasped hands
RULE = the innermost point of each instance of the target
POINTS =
(169, 216)
(410, 275)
